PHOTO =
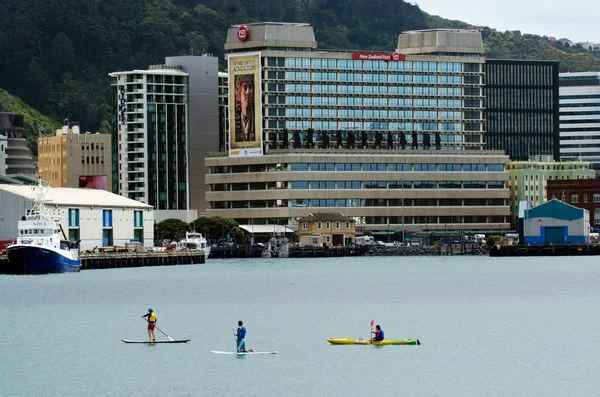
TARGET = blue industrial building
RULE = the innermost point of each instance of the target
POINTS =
(555, 222)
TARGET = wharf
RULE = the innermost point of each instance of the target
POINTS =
(546, 250)
(91, 261)
(294, 252)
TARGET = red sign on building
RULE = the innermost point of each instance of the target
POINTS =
(368, 56)
(243, 33)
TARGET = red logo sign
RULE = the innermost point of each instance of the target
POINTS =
(366, 56)
(243, 33)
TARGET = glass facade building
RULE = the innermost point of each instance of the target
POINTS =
(521, 108)
(580, 117)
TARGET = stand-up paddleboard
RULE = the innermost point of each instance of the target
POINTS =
(156, 341)
(242, 353)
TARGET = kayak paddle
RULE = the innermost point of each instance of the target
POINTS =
(371, 334)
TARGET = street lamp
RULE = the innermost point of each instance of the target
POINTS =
(403, 241)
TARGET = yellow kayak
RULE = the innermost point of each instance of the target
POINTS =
(348, 341)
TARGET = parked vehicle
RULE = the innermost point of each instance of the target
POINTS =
(364, 240)
(316, 240)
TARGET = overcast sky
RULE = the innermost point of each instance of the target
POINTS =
(576, 20)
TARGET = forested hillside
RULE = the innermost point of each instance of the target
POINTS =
(56, 54)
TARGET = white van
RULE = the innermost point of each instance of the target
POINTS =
(364, 240)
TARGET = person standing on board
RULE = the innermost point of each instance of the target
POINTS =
(151, 318)
(240, 338)
(379, 334)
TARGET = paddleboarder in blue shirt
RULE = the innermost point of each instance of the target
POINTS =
(240, 338)
(379, 335)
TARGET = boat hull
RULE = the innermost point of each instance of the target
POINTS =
(349, 341)
(32, 259)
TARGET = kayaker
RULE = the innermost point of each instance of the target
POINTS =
(151, 318)
(379, 334)
(240, 338)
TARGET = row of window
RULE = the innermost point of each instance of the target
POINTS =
(371, 126)
(395, 202)
(338, 225)
(375, 101)
(107, 218)
(417, 66)
(368, 113)
(86, 160)
(370, 77)
(304, 185)
(371, 90)
(395, 167)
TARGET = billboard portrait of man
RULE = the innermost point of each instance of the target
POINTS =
(244, 108)
(245, 131)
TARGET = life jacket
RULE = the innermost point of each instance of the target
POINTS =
(243, 333)
(381, 335)
(152, 317)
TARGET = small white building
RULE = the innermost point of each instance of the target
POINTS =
(95, 217)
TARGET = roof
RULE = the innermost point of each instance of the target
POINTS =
(77, 197)
(555, 209)
(331, 216)
(260, 229)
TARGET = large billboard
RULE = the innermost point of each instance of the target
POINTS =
(93, 182)
(245, 105)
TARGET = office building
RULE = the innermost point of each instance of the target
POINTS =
(580, 117)
(528, 179)
(521, 108)
(71, 159)
(3, 145)
(167, 124)
(392, 139)
(579, 193)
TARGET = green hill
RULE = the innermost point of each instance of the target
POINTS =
(61, 51)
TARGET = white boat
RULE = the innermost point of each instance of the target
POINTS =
(278, 247)
(193, 242)
(39, 248)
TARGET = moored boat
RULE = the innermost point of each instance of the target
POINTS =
(349, 341)
(194, 242)
(39, 248)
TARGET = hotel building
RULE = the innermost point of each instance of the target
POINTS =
(71, 159)
(389, 139)
(168, 122)
(580, 117)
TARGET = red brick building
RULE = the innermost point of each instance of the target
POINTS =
(581, 193)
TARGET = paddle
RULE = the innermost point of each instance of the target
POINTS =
(159, 330)
(236, 340)
(371, 335)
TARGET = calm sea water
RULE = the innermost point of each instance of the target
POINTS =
(488, 327)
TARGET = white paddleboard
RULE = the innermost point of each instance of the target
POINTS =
(156, 341)
(242, 353)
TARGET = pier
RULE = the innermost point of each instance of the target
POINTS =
(546, 250)
(95, 261)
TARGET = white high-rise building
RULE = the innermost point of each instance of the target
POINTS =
(580, 117)
(167, 122)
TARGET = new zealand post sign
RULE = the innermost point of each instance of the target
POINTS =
(368, 56)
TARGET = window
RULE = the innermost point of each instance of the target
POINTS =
(73, 217)
(348, 225)
(574, 199)
(319, 225)
(328, 239)
(585, 198)
(597, 216)
(596, 198)
(304, 225)
(337, 225)
(328, 225)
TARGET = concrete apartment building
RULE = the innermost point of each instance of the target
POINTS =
(371, 135)
(580, 117)
(528, 179)
(72, 159)
(168, 122)
(17, 156)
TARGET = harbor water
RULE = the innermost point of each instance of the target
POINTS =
(488, 327)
